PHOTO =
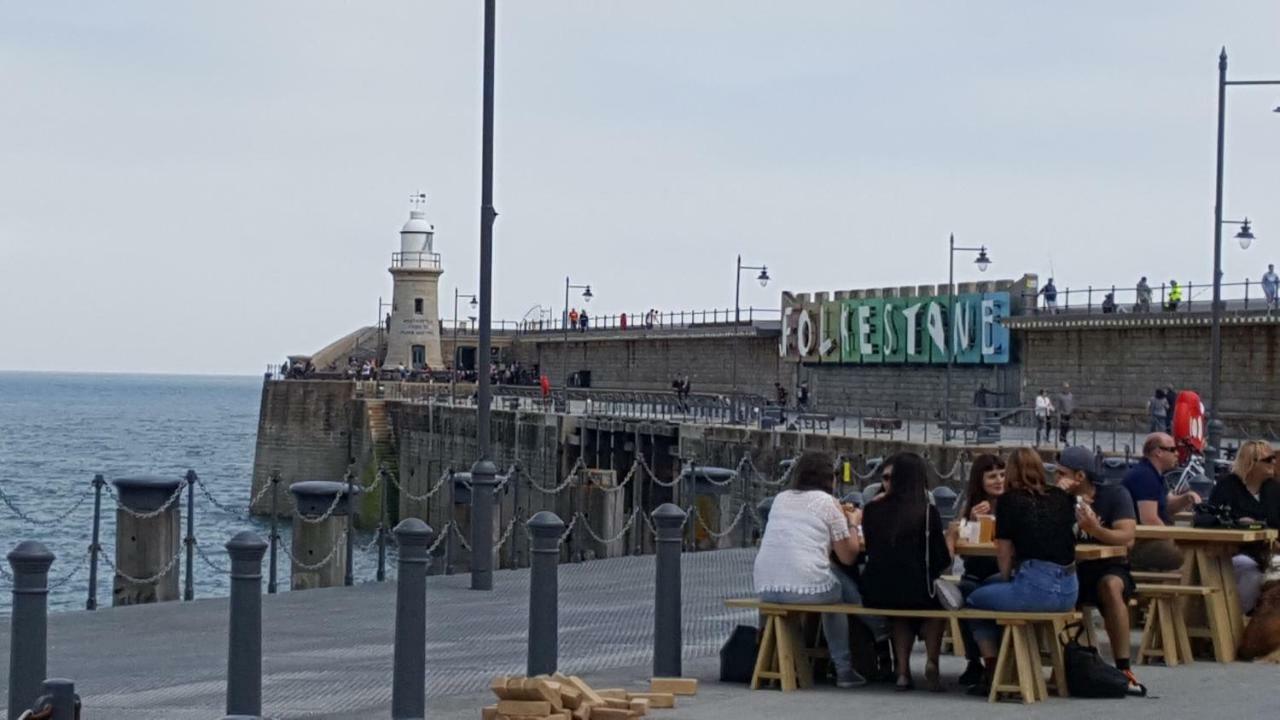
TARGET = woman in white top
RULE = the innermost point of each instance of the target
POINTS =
(806, 525)
(1044, 416)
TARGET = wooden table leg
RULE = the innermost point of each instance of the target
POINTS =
(1227, 571)
(1222, 629)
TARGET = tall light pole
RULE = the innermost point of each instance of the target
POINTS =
(484, 473)
(453, 376)
(763, 277)
(564, 323)
(1245, 236)
(983, 262)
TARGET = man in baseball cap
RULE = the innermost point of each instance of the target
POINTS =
(1105, 515)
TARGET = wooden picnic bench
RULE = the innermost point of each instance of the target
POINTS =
(784, 657)
(882, 425)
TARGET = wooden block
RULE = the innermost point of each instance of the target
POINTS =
(612, 693)
(639, 706)
(675, 686)
(499, 687)
(582, 712)
(607, 713)
(536, 708)
(656, 700)
(588, 695)
(570, 696)
(489, 712)
(619, 703)
(545, 689)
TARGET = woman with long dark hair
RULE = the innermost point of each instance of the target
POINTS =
(806, 526)
(1035, 536)
(981, 498)
(907, 550)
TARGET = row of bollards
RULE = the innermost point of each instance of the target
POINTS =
(30, 688)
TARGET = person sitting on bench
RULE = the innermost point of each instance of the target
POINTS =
(1104, 515)
(986, 485)
(908, 549)
(793, 566)
(1035, 528)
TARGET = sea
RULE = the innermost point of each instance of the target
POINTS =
(57, 430)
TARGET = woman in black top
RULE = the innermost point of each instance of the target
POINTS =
(986, 485)
(907, 550)
(1035, 528)
(1250, 493)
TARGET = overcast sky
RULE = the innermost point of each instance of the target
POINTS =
(205, 187)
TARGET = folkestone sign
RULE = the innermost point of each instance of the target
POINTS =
(897, 330)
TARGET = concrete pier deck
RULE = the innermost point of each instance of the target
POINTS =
(327, 654)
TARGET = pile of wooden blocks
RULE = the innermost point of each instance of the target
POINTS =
(561, 697)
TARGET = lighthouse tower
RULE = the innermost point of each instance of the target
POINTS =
(413, 335)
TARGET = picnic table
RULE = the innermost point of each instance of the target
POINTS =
(1084, 551)
(1207, 563)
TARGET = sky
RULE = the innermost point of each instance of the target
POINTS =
(207, 187)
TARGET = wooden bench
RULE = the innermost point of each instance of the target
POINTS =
(1160, 578)
(784, 657)
(1165, 633)
(882, 425)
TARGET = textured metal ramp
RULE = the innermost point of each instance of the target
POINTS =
(328, 652)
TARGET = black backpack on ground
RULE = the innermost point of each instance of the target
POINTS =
(738, 655)
(1088, 675)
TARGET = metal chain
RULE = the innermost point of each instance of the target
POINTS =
(209, 561)
(173, 563)
(421, 498)
(506, 534)
(4, 573)
(742, 511)
(637, 465)
(569, 480)
(337, 498)
(13, 507)
(954, 468)
(718, 483)
(872, 473)
(568, 530)
(512, 471)
(309, 567)
(177, 493)
(626, 528)
(234, 510)
(60, 582)
(458, 534)
(444, 533)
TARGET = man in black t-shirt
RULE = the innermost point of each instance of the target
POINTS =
(1104, 514)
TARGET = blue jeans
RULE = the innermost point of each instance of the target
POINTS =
(835, 626)
(1038, 586)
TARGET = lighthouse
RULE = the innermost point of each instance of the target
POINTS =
(413, 330)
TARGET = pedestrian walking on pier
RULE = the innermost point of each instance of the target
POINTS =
(1050, 293)
(1144, 296)
(1066, 406)
(1156, 410)
(1175, 296)
(573, 318)
(1271, 286)
(1044, 416)
(582, 320)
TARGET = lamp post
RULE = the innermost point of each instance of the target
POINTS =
(983, 262)
(564, 323)
(484, 472)
(453, 375)
(1245, 236)
(763, 277)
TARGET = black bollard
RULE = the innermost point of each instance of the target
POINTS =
(148, 533)
(189, 588)
(57, 701)
(274, 540)
(95, 547)
(408, 677)
(244, 653)
(349, 567)
(544, 593)
(668, 641)
(29, 624)
(483, 480)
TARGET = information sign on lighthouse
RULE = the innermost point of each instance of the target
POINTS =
(413, 333)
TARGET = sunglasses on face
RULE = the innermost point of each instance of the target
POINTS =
(1268, 459)
(1168, 449)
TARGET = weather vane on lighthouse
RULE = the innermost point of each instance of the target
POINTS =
(418, 200)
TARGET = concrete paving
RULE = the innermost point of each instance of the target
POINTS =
(327, 654)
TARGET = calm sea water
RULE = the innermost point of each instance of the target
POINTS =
(57, 430)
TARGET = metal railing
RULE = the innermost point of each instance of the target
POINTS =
(1246, 296)
(655, 320)
(416, 260)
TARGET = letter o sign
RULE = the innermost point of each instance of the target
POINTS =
(804, 334)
